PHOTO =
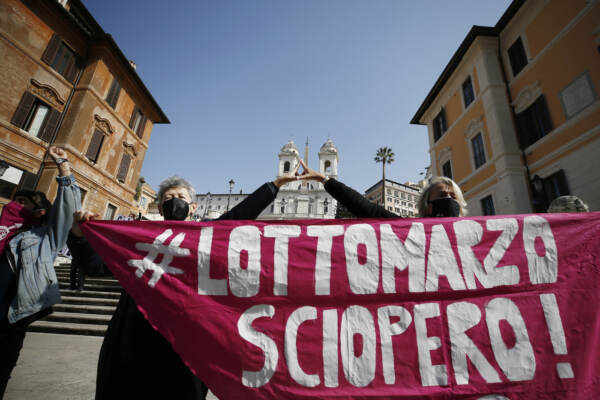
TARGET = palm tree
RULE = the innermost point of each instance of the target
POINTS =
(384, 155)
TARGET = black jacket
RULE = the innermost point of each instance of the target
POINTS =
(136, 361)
(355, 202)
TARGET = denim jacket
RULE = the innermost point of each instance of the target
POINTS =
(33, 253)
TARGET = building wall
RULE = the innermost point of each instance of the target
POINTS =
(561, 43)
(26, 28)
(398, 198)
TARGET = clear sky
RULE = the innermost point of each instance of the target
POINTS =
(239, 78)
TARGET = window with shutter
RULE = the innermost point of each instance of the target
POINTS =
(517, 56)
(478, 151)
(95, 144)
(61, 58)
(51, 50)
(23, 110)
(123, 168)
(110, 213)
(140, 130)
(439, 125)
(113, 93)
(447, 170)
(468, 94)
(533, 123)
(137, 122)
(36, 117)
(50, 125)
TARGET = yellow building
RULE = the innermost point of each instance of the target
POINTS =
(514, 118)
(66, 82)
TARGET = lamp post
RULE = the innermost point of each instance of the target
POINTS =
(231, 183)
(207, 205)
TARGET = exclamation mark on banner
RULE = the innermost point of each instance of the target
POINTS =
(557, 333)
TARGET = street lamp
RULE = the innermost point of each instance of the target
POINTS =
(231, 183)
(325, 204)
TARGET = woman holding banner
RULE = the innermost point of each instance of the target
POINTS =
(440, 198)
(136, 361)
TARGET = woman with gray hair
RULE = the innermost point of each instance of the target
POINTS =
(136, 361)
(442, 198)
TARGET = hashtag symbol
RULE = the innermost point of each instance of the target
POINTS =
(154, 249)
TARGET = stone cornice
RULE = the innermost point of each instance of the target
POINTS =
(48, 93)
(103, 124)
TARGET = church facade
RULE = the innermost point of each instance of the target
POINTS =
(295, 200)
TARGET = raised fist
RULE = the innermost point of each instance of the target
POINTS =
(57, 152)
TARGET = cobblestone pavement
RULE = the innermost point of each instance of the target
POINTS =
(56, 367)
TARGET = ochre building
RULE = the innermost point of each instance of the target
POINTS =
(65, 82)
(514, 118)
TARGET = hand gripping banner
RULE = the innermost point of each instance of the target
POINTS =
(503, 307)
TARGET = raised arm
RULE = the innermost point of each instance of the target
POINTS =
(68, 199)
(255, 203)
(355, 202)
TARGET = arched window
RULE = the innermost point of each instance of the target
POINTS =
(286, 166)
(327, 167)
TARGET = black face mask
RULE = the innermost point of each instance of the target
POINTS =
(445, 207)
(175, 209)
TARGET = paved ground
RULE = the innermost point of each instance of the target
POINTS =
(56, 367)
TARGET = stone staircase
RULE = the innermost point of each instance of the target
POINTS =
(81, 313)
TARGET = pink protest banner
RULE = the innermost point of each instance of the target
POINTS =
(502, 307)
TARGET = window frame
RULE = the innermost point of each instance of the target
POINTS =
(97, 133)
(517, 56)
(536, 116)
(449, 164)
(56, 48)
(137, 128)
(114, 209)
(124, 167)
(466, 103)
(114, 92)
(22, 117)
(478, 162)
(440, 125)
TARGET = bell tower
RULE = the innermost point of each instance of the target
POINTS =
(287, 158)
(328, 159)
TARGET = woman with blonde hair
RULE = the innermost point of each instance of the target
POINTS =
(442, 198)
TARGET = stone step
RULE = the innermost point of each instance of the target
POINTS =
(84, 309)
(78, 318)
(89, 293)
(93, 287)
(65, 278)
(89, 301)
(67, 328)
